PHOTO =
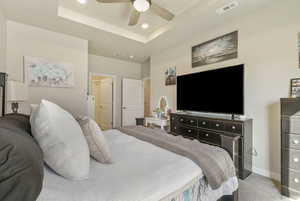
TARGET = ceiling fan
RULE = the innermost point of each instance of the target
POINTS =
(141, 6)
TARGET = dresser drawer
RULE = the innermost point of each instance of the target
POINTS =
(291, 141)
(290, 107)
(218, 125)
(294, 180)
(204, 123)
(294, 125)
(210, 137)
(234, 128)
(189, 132)
(294, 159)
(174, 128)
(190, 121)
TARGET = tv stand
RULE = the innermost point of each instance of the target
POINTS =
(234, 135)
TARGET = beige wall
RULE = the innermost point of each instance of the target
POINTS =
(2, 42)
(146, 69)
(121, 69)
(24, 40)
(268, 48)
(2, 47)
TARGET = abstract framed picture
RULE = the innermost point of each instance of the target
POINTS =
(45, 73)
(295, 88)
(219, 49)
(170, 75)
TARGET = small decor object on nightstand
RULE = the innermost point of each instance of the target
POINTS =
(17, 92)
(295, 88)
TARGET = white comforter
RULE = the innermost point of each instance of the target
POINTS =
(135, 175)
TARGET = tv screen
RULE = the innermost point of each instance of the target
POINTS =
(215, 91)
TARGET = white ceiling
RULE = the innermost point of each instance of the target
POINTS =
(113, 38)
(114, 17)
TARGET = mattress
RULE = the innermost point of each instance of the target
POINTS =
(135, 175)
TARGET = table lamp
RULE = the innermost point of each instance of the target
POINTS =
(16, 92)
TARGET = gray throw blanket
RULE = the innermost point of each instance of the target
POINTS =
(215, 162)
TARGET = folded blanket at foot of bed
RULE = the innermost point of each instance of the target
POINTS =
(215, 162)
(21, 162)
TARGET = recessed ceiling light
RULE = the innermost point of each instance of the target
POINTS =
(82, 1)
(131, 56)
(145, 26)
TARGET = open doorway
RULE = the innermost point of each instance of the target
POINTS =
(102, 88)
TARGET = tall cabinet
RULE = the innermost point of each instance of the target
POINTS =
(290, 147)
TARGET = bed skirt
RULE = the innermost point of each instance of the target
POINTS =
(198, 190)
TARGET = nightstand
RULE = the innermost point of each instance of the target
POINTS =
(162, 123)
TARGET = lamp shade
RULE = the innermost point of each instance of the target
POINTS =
(16, 91)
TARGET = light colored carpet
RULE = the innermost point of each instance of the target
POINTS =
(258, 188)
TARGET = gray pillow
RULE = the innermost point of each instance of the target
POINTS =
(21, 160)
(98, 146)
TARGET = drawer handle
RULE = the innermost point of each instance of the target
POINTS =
(296, 180)
(296, 160)
(233, 127)
(295, 142)
(189, 131)
(203, 123)
(217, 125)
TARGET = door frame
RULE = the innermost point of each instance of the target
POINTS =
(114, 79)
(147, 78)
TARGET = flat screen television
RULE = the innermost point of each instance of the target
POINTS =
(214, 91)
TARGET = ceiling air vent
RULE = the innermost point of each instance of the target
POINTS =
(227, 7)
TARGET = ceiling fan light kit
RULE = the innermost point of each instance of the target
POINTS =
(141, 5)
(82, 1)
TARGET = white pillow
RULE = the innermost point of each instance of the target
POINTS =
(98, 146)
(60, 137)
(33, 108)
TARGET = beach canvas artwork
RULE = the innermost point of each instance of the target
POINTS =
(45, 73)
(216, 50)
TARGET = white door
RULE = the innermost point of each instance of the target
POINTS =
(132, 101)
(106, 104)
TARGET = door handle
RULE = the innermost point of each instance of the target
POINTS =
(124, 108)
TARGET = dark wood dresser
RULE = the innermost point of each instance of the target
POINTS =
(233, 135)
(290, 147)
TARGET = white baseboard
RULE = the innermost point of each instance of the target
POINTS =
(266, 173)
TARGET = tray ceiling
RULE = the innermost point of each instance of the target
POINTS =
(114, 17)
(120, 41)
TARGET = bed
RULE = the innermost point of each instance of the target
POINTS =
(136, 175)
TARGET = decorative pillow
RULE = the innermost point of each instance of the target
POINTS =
(98, 146)
(60, 137)
(33, 109)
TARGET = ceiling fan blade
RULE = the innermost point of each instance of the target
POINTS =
(162, 12)
(113, 1)
(134, 17)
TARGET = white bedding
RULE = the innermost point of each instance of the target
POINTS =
(135, 175)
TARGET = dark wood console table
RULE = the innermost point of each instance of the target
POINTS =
(233, 135)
